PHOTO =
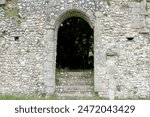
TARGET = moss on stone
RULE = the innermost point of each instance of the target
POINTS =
(11, 12)
(109, 2)
(11, 9)
(12, 97)
(135, 0)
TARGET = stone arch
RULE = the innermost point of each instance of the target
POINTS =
(87, 16)
(51, 44)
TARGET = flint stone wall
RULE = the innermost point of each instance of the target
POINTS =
(28, 48)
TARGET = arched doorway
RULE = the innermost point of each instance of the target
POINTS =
(75, 58)
(75, 45)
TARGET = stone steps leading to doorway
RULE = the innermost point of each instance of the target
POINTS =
(74, 85)
(85, 88)
(75, 95)
(75, 82)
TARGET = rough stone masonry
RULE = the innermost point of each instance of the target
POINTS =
(28, 39)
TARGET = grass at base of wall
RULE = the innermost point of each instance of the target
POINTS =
(10, 97)
(135, 0)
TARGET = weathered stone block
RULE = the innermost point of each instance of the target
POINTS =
(144, 31)
(48, 74)
(102, 70)
(49, 82)
(136, 24)
(111, 94)
(2, 2)
(134, 4)
(47, 65)
(148, 20)
(50, 90)
(135, 11)
(98, 14)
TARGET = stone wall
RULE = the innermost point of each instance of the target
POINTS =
(129, 77)
(121, 51)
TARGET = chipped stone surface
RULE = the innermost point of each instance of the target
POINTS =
(27, 66)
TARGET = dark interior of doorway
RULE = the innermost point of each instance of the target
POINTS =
(75, 45)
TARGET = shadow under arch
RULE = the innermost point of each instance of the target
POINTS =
(69, 13)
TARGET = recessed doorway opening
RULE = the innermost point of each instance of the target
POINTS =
(75, 45)
(75, 59)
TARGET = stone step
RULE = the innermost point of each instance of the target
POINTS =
(74, 88)
(74, 74)
(75, 94)
(75, 78)
(74, 85)
(71, 81)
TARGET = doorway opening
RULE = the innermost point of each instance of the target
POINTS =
(75, 45)
(75, 59)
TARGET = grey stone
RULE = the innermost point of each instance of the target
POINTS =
(47, 66)
(49, 91)
(2, 2)
(98, 14)
(134, 4)
(27, 66)
(137, 24)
